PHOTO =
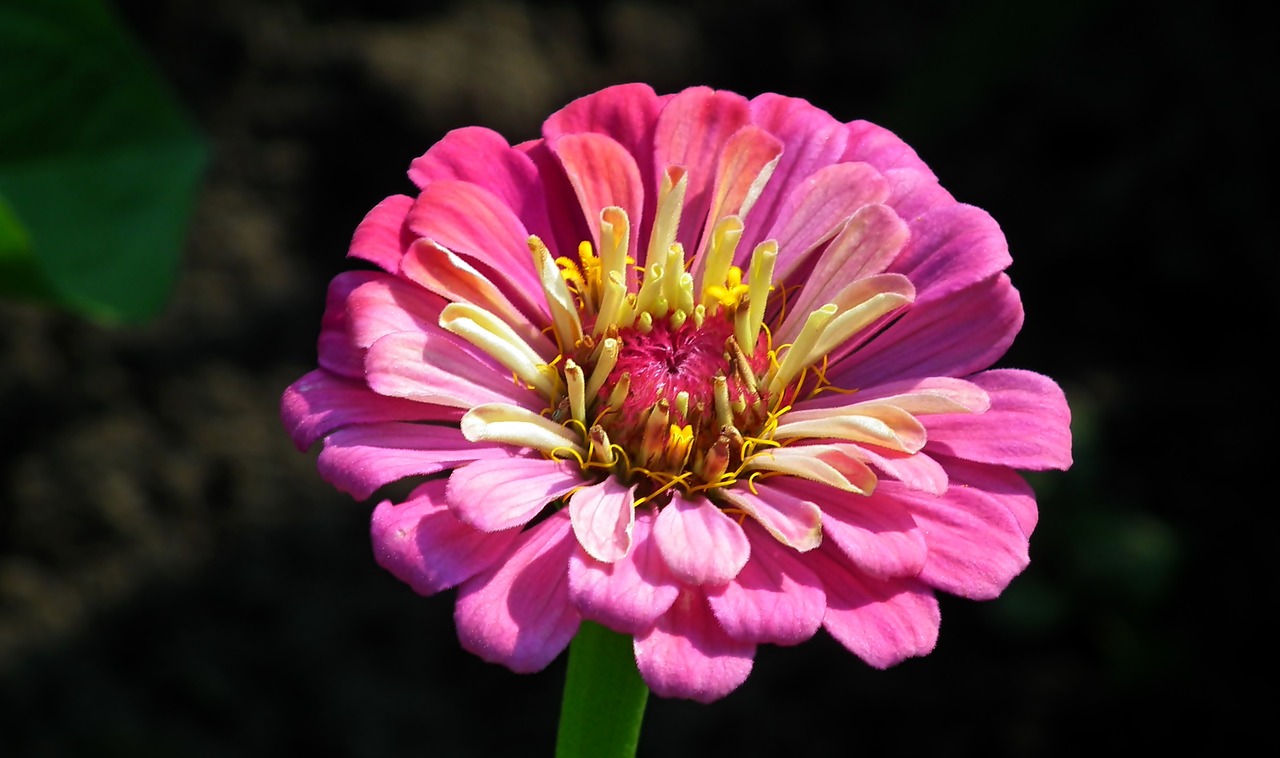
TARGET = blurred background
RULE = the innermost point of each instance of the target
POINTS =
(175, 579)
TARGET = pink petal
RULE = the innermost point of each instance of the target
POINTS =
(816, 210)
(793, 521)
(1027, 427)
(381, 237)
(603, 174)
(321, 402)
(881, 148)
(427, 547)
(811, 140)
(747, 154)
(475, 223)
(360, 459)
(603, 515)
(914, 193)
(686, 654)
(691, 132)
(775, 598)
(387, 305)
(700, 544)
(876, 533)
(629, 594)
(956, 336)
(951, 248)
(883, 622)
(518, 613)
(914, 470)
(975, 544)
(337, 350)
(1007, 487)
(502, 494)
(484, 158)
(439, 368)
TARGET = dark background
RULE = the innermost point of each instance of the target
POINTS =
(175, 579)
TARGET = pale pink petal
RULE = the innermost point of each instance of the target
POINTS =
(748, 156)
(501, 494)
(603, 174)
(864, 247)
(337, 350)
(919, 395)
(976, 546)
(775, 598)
(382, 237)
(686, 654)
(883, 622)
(1027, 427)
(518, 613)
(956, 336)
(484, 158)
(915, 470)
(387, 305)
(816, 210)
(881, 148)
(691, 132)
(792, 521)
(427, 547)
(360, 459)
(1005, 485)
(876, 533)
(951, 248)
(603, 515)
(700, 544)
(321, 402)
(629, 594)
(436, 367)
(811, 140)
(473, 222)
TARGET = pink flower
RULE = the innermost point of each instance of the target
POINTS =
(706, 370)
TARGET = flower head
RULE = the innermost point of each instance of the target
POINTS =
(709, 371)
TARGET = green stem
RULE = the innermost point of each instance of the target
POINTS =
(604, 697)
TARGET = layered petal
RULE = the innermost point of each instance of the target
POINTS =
(699, 542)
(687, 654)
(775, 598)
(630, 593)
(493, 495)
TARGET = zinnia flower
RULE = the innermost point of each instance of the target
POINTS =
(706, 370)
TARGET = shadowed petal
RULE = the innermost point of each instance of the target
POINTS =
(883, 622)
(775, 598)
(686, 654)
(699, 542)
(603, 174)
(360, 459)
(437, 367)
(502, 494)
(425, 546)
(629, 594)
(518, 613)
(321, 402)
(337, 349)
(951, 248)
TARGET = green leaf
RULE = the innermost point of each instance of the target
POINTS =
(98, 165)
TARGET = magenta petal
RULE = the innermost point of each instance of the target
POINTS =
(883, 622)
(518, 613)
(1027, 427)
(1004, 485)
(954, 336)
(914, 193)
(951, 248)
(793, 521)
(381, 238)
(504, 493)
(321, 402)
(602, 515)
(629, 594)
(336, 347)
(881, 148)
(914, 470)
(775, 598)
(427, 547)
(700, 544)
(387, 305)
(686, 654)
(748, 153)
(976, 546)
(473, 222)
(360, 459)
(876, 533)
